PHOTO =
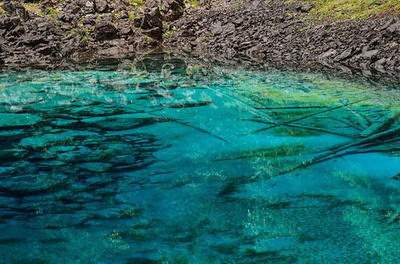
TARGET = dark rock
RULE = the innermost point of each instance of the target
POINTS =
(238, 21)
(33, 40)
(18, 31)
(368, 54)
(172, 9)
(15, 9)
(272, 34)
(260, 31)
(216, 28)
(89, 19)
(379, 65)
(345, 54)
(46, 49)
(328, 54)
(395, 28)
(112, 52)
(101, 6)
(396, 177)
(125, 30)
(304, 7)
(105, 31)
(140, 260)
(229, 28)
(151, 23)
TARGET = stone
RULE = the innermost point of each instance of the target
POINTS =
(101, 6)
(216, 28)
(18, 120)
(394, 29)
(96, 166)
(15, 8)
(172, 9)
(328, 54)
(105, 31)
(345, 54)
(368, 54)
(305, 7)
(151, 23)
(33, 40)
(112, 52)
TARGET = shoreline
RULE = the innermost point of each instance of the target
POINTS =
(268, 35)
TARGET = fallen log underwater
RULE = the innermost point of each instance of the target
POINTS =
(375, 142)
(372, 137)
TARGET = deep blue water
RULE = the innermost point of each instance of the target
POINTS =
(188, 163)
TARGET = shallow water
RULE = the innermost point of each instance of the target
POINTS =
(175, 162)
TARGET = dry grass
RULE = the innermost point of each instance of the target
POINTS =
(2, 11)
(33, 8)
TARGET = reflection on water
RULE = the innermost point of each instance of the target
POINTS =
(181, 163)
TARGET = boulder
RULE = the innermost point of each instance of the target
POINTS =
(394, 28)
(105, 30)
(15, 9)
(172, 10)
(101, 6)
(151, 22)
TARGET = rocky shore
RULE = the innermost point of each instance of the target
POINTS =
(58, 33)
(263, 33)
(282, 35)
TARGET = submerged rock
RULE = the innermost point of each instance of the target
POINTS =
(8, 120)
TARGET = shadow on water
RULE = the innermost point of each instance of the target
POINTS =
(164, 160)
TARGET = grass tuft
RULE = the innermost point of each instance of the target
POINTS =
(33, 8)
(2, 11)
(192, 3)
(353, 9)
(136, 3)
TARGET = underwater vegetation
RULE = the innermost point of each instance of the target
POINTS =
(176, 162)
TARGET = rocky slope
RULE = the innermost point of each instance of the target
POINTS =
(283, 35)
(273, 33)
(55, 33)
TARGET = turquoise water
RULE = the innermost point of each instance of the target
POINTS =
(181, 162)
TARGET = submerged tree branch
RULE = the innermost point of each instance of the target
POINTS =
(308, 116)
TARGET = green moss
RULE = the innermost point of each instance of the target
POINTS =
(192, 3)
(52, 12)
(136, 3)
(168, 33)
(132, 15)
(80, 32)
(353, 9)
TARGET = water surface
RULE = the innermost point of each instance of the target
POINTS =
(177, 162)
